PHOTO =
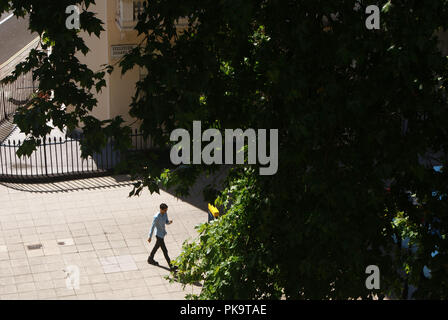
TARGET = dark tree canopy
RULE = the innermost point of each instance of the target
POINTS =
(362, 118)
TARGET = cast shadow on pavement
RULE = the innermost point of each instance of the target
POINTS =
(176, 278)
(107, 182)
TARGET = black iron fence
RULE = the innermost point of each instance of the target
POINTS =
(60, 158)
(13, 95)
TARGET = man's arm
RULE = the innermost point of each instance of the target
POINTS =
(168, 221)
(152, 229)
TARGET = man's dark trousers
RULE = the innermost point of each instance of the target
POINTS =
(160, 243)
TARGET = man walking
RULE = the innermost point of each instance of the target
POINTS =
(159, 222)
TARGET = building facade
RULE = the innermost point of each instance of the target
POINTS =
(120, 18)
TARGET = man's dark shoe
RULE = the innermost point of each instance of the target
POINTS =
(173, 268)
(153, 262)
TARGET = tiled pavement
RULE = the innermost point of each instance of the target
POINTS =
(100, 231)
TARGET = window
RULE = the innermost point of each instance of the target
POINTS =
(127, 12)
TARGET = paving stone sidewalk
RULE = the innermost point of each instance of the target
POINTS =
(100, 231)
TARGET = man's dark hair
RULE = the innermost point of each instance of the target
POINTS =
(163, 206)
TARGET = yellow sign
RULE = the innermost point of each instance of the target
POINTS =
(213, 210)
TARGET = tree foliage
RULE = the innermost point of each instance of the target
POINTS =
(360, 113)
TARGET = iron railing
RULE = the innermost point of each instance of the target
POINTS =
(60, 158)
(13, 95)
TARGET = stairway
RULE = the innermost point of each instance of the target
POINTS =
(6, 128)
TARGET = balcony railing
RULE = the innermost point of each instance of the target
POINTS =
(16, 94)
(127, 13)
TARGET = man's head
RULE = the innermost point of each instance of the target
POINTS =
(163, 208)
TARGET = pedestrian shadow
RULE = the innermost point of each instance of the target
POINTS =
(162, 267)
(175, 277)
(196, 284)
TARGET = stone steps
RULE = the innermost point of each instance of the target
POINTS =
(6, 128)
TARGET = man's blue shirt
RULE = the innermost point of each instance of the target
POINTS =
(159, 223)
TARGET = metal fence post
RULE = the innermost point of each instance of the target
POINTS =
(45, 157)
(4, 103)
